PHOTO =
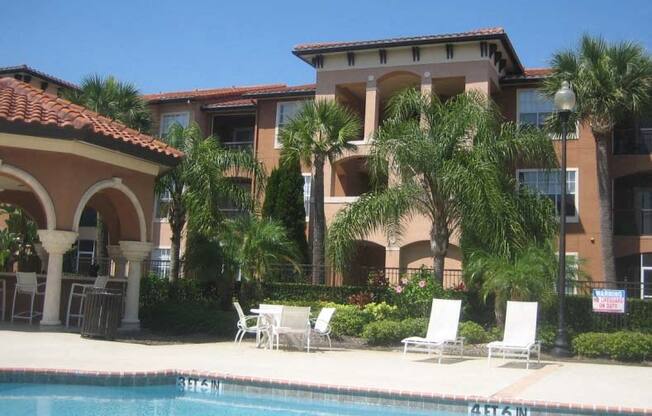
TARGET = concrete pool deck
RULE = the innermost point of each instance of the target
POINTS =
(560, 382)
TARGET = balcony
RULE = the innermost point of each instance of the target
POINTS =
(633, 141)
(633, 222)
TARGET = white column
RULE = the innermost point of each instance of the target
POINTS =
(56, 243)
(135, 252)
(120, 263)
(371, 108)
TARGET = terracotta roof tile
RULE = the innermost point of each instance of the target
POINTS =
(204, 94)
(20, 102)
(285, 90)
(240, 102)
(529, 74)
(452, 36)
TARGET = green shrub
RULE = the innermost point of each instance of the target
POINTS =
(546, 334)
(473, 333)
(381, 311)
(414, 294)
(392, 332)
(338, 294)
(348, 320)
(623, 345)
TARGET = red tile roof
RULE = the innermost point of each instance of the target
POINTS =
(529, 74)
(206, 94)
(306, 89)
(22, 103)
(324, 46)
(34, 72)
(237, 103)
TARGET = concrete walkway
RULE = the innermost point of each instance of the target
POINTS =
(607, 385)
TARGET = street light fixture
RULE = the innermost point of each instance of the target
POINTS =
(565, 103)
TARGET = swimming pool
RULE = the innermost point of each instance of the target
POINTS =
(18, 399)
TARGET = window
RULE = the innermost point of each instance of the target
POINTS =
(242, 138)
(547, 183)
(160, 262)
(162, 205)
(228, 207)
(307, 184)
(168, 119)
(572, 273)
(285, 111)
(533, 108)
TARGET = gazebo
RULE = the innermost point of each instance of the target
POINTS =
(56, 159)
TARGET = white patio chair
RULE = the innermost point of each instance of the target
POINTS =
(269, 316)
(248, 324)
(78, 291)
(322, 325)
(442, 329)
(519, 338)
(26, 284)
(295, 320)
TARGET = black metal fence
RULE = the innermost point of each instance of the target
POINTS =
(635, 290)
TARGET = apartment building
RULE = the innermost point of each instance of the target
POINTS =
(364, 75)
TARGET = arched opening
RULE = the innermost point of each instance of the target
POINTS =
(107, 213)
(391, 84)
(368, 257)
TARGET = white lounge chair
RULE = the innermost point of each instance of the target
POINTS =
(519, 338)
(78, 290)
(442, 329)
(27, 284)
(295, 320)
(248, 324)
(322, 325)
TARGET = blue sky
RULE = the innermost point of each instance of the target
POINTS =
(174, 45)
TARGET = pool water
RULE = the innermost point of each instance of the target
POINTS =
(71, 400)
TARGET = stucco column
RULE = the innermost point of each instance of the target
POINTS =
(426, 83)
(135, 252)
(120, 263)
(371, 108)
(393, 261)
(42, 255)
(56, 243)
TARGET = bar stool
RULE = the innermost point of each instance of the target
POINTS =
(3, 300)
(26, 284)
(78, 290)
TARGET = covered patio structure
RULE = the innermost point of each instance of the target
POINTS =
(56, 159)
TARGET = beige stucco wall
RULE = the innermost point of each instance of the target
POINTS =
(66, 177)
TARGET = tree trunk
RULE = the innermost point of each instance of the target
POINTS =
(606, 217)
(439, 248)
(319, 222)
(177, 222)
(499, 311)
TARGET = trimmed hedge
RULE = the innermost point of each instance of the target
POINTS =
(623, 345)
(190, 318)
(392, 332)
(307, 292)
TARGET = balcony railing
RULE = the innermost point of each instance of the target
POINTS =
(245, 146)
(633, 141)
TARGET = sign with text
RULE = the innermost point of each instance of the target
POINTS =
(199, 385)
(491, 409)
(609, 300)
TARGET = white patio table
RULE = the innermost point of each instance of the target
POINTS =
(263, 337)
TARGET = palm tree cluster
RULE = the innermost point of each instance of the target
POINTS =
(451, 162)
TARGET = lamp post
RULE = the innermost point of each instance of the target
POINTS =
(565, 103)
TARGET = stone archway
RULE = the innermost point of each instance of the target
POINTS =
(38, 189)
(114, 183)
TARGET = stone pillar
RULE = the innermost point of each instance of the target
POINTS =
(393, 262)
(371, 108)
(426, 83)
(56, 243)
(42, 256)
(135, 252)
(119, 262)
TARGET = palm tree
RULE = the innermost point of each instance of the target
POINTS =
(201, 183)
(321, 131)
(528, 275)
(611, 81)
(120, 101)
(255, 244)
(453, 162)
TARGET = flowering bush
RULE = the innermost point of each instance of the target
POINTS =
(414, 294)
(360, 299)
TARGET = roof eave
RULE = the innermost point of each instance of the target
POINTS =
(300, 53)
(281, 94)
(88, 136)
